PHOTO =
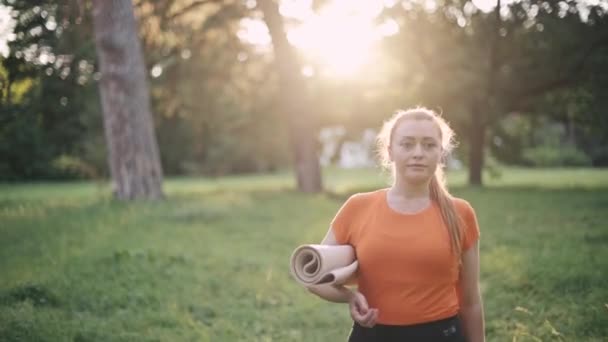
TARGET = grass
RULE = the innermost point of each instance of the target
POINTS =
(211, 262)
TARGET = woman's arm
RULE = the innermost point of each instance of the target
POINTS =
(332, 293)
(359, 309)
(471, 307)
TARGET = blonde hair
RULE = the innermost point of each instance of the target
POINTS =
(438, 185)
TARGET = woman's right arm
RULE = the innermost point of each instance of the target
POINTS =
(360, 311)
(332, 293)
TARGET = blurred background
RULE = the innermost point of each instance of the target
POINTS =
(254, 121)
(523, 84)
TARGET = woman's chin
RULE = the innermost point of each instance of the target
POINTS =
(417, 178)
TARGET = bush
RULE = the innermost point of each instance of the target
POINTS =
(599, 155)
(548, 156)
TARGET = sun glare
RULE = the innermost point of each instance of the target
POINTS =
(485, 5)
(338, 40)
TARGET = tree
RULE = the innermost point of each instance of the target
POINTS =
(133, 151)
(213, 94)
(49, 101)
(295, 102)
(483, 66)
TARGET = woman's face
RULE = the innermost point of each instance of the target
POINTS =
(415, 150)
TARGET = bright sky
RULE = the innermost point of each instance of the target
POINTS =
(486, 5)
(339, 39)
(6, 29)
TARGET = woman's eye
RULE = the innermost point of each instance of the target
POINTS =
(431, 145)
(407, 144)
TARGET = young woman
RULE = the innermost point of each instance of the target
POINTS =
(417, 246)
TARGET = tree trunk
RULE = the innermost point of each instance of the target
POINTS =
(295, 102)
(477, 143)
(484, 107)
(132, 148)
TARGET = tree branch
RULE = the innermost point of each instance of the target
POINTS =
(572, 77)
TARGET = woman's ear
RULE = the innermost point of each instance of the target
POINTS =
(389, 153)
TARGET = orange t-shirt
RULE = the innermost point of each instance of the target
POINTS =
(406, 268)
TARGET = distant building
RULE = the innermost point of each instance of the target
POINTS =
(347, 153)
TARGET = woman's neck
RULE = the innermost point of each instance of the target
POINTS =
(410, 191)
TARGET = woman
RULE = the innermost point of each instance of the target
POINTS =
(417, 246)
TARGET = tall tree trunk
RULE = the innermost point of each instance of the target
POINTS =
(132, 148)
(483, 108)
(295, 102)
(477, 143)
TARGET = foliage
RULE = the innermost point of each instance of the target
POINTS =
(541, 141)
(551, 156)
(481, 67)
(48, 101)
(214, 97)
(214, 101)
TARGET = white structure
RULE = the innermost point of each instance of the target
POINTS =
(357, 153)
(352, 154)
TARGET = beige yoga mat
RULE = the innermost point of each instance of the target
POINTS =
(323, 264)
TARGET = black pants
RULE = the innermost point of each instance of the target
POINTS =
(445, 330)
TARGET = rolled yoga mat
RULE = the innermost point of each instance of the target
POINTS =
(323, 264)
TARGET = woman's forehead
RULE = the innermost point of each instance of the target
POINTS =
(417, 129)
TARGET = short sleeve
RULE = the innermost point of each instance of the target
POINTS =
(471, 227)
(341, 223)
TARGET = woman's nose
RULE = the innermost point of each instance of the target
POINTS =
(418, 150)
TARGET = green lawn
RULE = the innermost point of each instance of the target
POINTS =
(211, 262)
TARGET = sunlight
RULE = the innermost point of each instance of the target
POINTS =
(489, 5)
(485, 5)
(339, 39)
(7, 24)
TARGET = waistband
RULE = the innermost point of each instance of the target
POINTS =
(443, 327)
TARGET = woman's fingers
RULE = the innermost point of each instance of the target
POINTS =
(370, 320)
(363, 316)
(358, 306)
(357, 314)
(361, 313)
(365, 321)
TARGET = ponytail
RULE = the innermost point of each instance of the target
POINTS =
(442, 197)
